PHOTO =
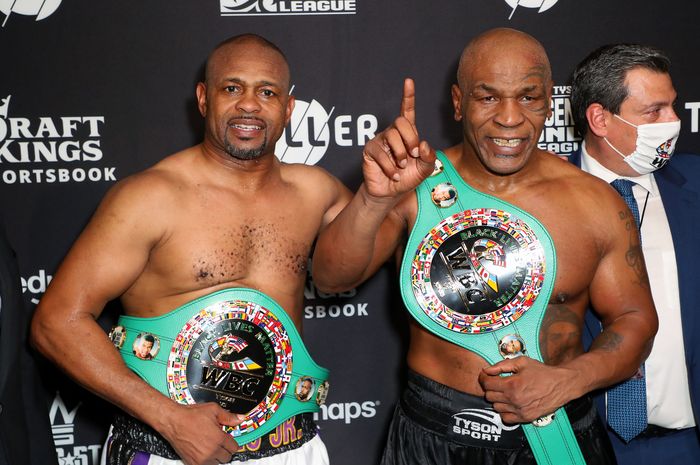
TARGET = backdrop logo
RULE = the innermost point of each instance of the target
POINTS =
(312, 129)
(39, 8)
(286, 7)
(36, 285)
(347, 411)
(694, 108)
(541, 5)
(63, 429)
(51, 149)
(558, 135)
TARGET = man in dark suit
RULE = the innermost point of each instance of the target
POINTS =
(622, 101)
(25, 437)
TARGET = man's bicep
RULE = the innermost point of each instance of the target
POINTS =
(620, 285)
(338, 198)
(107, 257)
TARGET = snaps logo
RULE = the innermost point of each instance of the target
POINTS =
(558, 135)
(36, 285)
(541, 5)
(347, 411)
(286, 7)
(39, 8)
(482, 424)
(61, 142)
(63, 428)
(312, 129)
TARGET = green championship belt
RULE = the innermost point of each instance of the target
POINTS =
(236, 347)
(478, 272)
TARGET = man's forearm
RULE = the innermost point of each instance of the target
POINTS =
(83, 351)
(346, 250)
(615, 354)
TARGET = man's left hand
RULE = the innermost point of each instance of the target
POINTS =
(531, 390)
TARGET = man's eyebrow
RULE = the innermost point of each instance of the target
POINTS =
(485, 87)
(262, 82)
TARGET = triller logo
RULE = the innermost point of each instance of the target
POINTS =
(286, 7)
(39, 8)
(312, 128)
(543, 5)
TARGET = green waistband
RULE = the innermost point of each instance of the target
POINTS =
(236, 347)
(478, 272)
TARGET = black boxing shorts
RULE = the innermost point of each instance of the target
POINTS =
(435, 424)
(131, 438)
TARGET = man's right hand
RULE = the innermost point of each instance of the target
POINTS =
(196, 434)
(395, 161)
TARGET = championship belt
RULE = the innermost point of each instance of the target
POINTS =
(478, 272)
(236, 347)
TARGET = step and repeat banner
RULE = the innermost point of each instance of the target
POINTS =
(91, 92)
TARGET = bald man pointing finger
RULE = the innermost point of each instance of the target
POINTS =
(498, 276)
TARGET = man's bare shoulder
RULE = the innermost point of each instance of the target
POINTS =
(315, 181)
(299, 173)
(158, 183)
(585, 195)
(571, 177)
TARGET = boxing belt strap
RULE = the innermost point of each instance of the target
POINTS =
(236, 347)
(478, 272)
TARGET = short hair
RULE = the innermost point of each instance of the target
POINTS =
(600, 77)
(149, 338)
(247, 37)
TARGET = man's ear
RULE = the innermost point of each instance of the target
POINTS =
(457, 101)
(201, 92)
(290, 110)
(598, 119)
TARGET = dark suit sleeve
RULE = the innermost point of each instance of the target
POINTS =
(25, 432)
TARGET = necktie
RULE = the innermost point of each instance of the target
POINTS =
(627, 402)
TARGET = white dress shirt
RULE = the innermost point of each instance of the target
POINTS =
(668, 396)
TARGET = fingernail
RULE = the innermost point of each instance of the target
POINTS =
(403, 163)
(396, 177)
(415, 153)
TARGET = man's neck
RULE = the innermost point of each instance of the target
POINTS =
(248, 174)
(470, 167)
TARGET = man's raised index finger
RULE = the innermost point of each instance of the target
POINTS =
(408, 101)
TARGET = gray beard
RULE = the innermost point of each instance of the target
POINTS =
(245, 154)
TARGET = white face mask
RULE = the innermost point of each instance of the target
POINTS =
(655, 144)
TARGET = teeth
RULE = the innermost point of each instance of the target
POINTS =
(246, 127)
(507, 142)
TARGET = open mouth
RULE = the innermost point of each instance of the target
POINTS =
(247, 127)
(507, 142)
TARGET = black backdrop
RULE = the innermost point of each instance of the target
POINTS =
(91, 92)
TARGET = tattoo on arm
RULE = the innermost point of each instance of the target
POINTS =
(634, 256)
(560, 334)
(609, 341)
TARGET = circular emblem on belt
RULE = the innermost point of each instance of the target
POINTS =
(511, 346)
(146, 346)
(305, 388)
(235, 353)
(478, 270)
(444, 195)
